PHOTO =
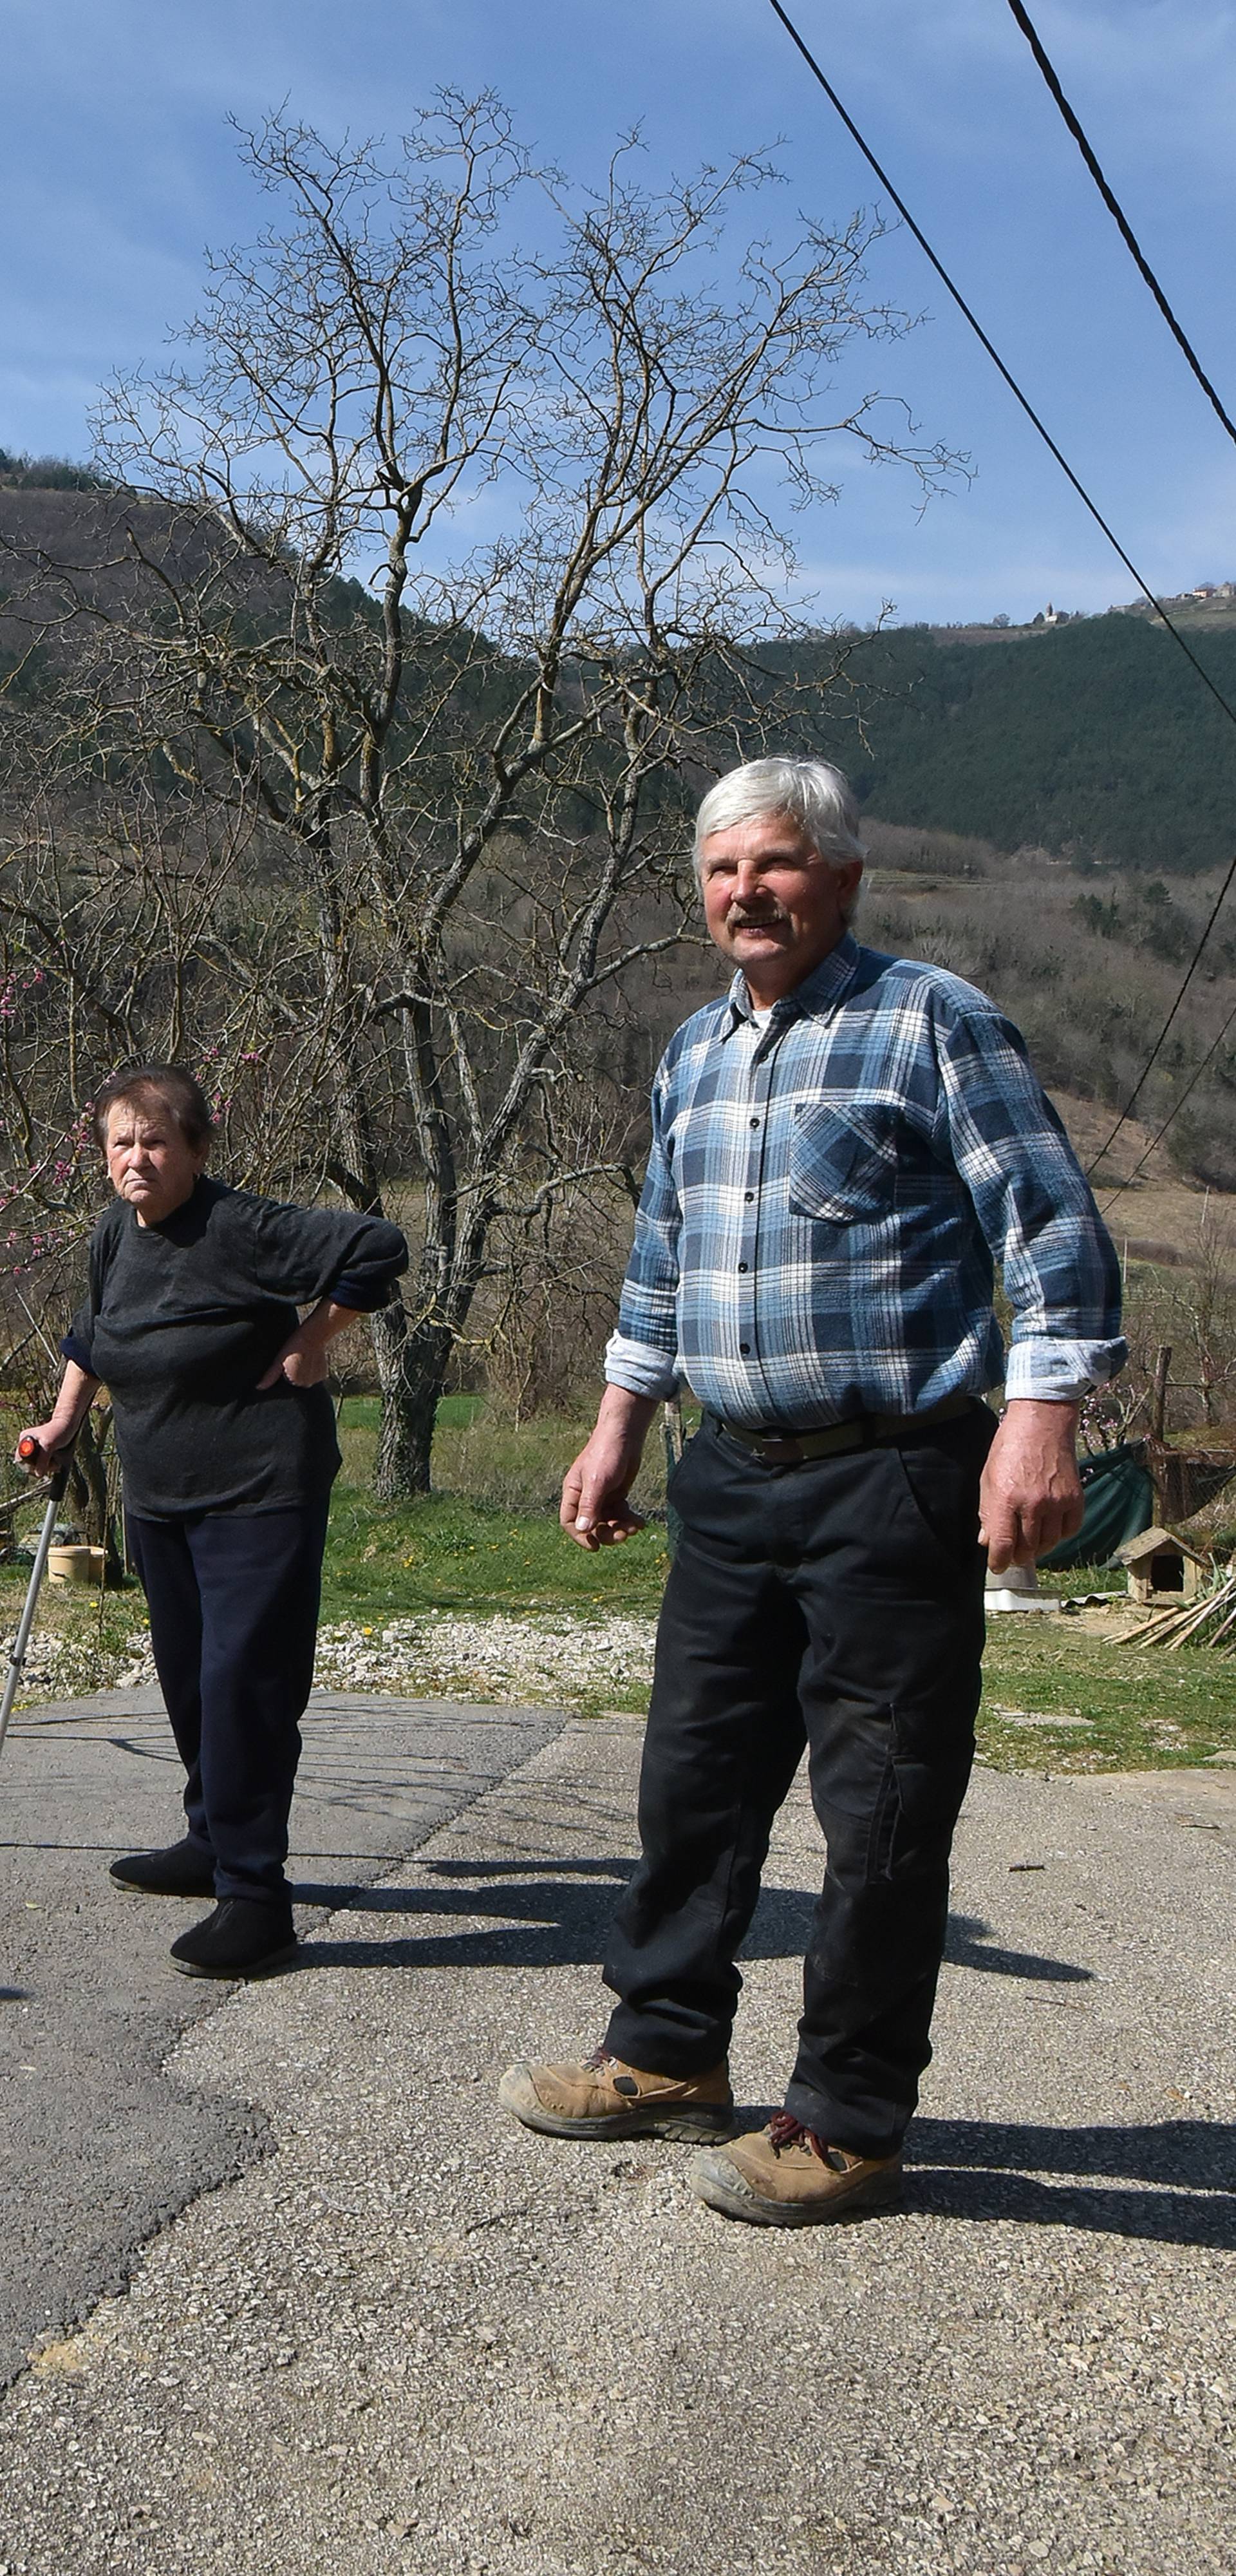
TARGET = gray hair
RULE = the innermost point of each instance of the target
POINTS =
(815, 796)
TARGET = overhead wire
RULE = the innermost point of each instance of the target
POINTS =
(1157, 1048)
(1062, 461)
(1023, 19)
(1116, 210)
(1174, 1112)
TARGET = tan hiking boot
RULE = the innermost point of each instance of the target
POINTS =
(599, 2097)
(784, 2176)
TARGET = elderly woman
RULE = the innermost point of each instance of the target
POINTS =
(226, 1434)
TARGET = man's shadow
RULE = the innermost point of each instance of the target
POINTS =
(1171, 2183)
(555, 1914)
(984, 2169)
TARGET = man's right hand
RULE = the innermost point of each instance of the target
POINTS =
(595, 1511)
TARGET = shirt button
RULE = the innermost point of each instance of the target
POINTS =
(755, 1122)
(742, 1265)
(748, 1195)
(744, 1350)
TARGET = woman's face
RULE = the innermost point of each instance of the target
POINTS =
(149, 1163)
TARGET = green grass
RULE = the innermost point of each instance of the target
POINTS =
(475, 1545)
(1147, 1709)
(489, 1541)
(450, 1553)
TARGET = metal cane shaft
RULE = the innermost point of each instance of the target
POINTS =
(17, 1657)
(26, 1622)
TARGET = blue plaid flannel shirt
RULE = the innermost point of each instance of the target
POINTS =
(827, 1198)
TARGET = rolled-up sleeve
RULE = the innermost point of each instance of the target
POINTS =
(305, 1254)
(1035, 1208)
(643, 1354)
(77, 1343)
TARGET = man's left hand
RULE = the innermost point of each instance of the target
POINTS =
(1031, 1495)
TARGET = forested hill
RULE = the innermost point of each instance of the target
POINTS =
(1094, 740)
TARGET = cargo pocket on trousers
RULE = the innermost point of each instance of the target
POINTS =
(885, 1817)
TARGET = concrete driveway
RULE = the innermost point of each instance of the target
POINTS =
(409, 2336)
(102, 2147)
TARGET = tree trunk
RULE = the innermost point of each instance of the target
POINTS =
(412, 1362)
(88, 1495)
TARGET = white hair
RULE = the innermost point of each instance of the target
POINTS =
(815, 796)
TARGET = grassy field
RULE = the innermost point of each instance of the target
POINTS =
(1058, 1697)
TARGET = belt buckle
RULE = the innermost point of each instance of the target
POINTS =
(773, 1452)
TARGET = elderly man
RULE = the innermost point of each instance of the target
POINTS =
(842, 1148)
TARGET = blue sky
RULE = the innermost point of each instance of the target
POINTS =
(120, 167)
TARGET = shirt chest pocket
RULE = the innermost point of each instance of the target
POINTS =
(843, 1165)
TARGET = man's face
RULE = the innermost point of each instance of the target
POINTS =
(150, 1164)
(772, 903)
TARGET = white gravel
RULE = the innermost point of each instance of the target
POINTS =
(71, 1667)
(545, 1662)
(559, 1661)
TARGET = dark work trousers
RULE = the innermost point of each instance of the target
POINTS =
(233, 1600)
(837, 1606)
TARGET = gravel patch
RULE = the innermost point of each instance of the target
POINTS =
(73, 1667)
(556, 1662)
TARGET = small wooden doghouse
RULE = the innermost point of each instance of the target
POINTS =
(1161, 1567)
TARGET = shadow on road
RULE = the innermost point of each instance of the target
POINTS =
(545, 1917)
(984, 2169)
(966, 1948)
(1173, 2182)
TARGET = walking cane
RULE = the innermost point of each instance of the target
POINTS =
(55, 1497)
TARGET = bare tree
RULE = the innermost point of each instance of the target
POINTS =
(459, 785)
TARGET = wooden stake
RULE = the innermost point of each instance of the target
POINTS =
(1158, 1407)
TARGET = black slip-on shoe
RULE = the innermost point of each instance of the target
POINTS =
(242, 1938)
(184, 1869)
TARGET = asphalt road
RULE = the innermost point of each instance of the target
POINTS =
(100, 2149)
(412, 2337)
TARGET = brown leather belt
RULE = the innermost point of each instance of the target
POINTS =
(862, 1431)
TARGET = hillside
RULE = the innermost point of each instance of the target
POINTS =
(1094, 740)
(1091, 739)
(1049, 821)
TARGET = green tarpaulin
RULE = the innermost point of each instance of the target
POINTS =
(1120, 1502)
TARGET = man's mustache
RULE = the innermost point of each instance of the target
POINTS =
(742, 917)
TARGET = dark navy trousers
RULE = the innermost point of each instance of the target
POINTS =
(838, 1608)
(233, 1599)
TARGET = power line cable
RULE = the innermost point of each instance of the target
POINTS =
(997, 361)
(1024, 21)
(1066, 469)
(1157, 1048)
(1116, 211)
(1173, 1112)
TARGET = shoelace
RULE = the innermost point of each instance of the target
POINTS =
(785, 2131)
